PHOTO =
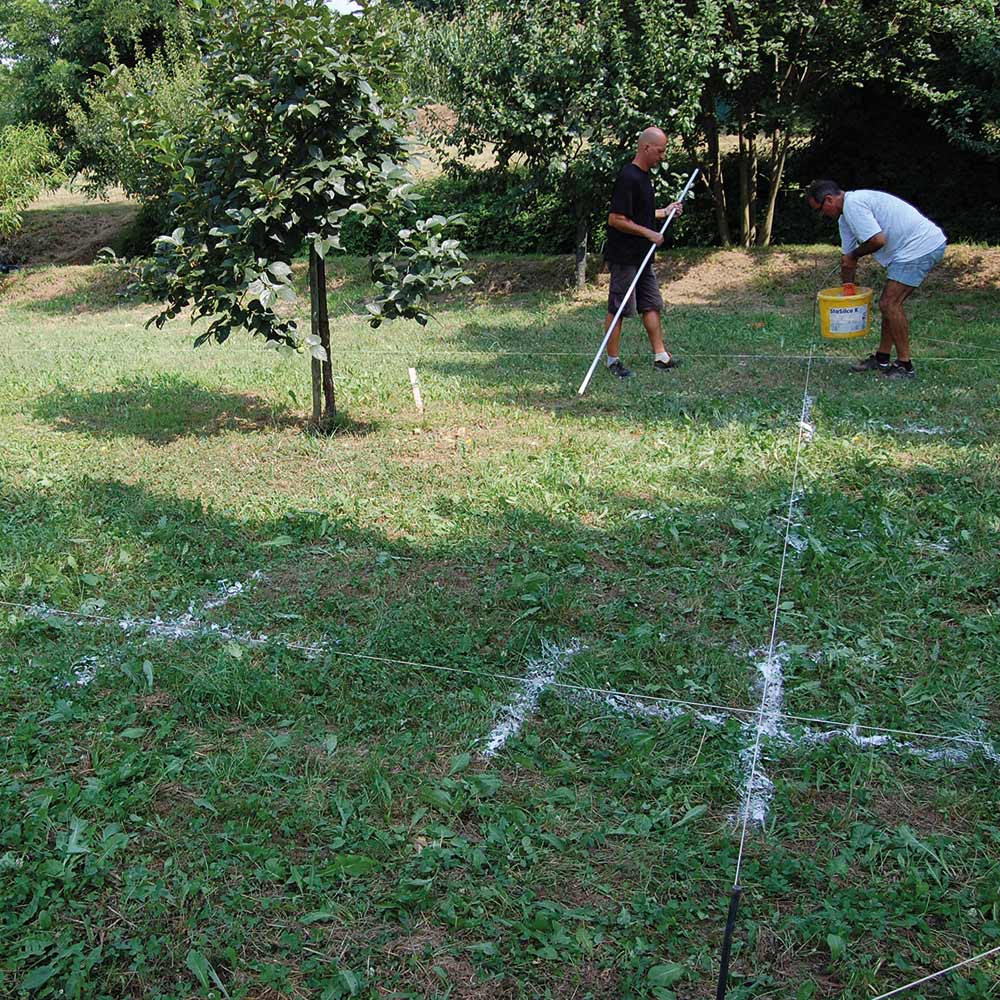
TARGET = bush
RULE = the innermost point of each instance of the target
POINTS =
(505, 212)
(28, 166)
(871, 139)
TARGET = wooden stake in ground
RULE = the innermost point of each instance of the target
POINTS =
(416, 391)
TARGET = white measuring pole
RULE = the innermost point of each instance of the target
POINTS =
(631, 288)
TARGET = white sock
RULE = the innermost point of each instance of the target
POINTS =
(612, 361)
(663, 356)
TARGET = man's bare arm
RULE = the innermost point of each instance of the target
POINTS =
(625, 225)
(849, 261)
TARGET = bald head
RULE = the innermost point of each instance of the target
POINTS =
(652, 136)
(652, 146)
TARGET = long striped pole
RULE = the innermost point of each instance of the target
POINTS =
(631, 288)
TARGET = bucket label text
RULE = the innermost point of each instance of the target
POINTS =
(848, 319)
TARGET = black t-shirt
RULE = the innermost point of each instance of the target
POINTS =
(633, 198)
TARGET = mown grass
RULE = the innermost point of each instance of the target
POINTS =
(209, 816)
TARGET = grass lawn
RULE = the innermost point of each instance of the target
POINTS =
(191, 809)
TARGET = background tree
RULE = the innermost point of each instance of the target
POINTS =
(117, 113)
(777, 67)
(50, 49)
(288, 136)
(554, 85)
(959, 82)
(28, 166)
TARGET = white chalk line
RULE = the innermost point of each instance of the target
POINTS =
(672, 708)
(540, 675)
(640, 705)
(187, 626)
(227, 591)
(757, 794)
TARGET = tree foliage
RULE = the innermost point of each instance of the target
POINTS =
(50, 49)
(959, 82)
(287, 136)
(555, 85)
(119, 111)
(28, 166)
(776, 66)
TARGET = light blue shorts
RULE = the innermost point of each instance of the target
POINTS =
(913, 272)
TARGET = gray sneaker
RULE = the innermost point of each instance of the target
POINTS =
(619, 370)
(896, 370)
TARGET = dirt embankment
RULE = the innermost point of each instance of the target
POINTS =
(65, 228)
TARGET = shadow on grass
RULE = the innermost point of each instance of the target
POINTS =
(400, 727)
(163, 408)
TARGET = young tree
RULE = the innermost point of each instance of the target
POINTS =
(28, 166)
(287, 137)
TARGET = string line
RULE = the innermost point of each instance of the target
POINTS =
(318, 650)
(937, 975)
(774, 627)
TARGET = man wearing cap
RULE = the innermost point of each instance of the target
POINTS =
(903, 241)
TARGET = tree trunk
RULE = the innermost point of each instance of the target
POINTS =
(715, 180)
(744, 173)
(779, 154)
(748, 184)
(329, 396)
(324, 398)
(317, 365)
(581, 252)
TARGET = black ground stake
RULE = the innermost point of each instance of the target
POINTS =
(727, 943)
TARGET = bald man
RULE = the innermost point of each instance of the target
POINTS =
(631, 229)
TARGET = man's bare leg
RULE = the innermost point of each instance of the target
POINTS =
(895, 325)
(615, 340)
(651, 321)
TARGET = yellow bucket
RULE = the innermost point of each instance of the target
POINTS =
(843, 317)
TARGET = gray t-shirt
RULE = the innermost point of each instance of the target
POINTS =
(908, 234)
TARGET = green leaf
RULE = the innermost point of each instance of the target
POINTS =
(665, 976)
(279, 541)
(837, 946)
(459, 763)
(38, 977)
(134, 733)
(351, 864)
(198, 964)
(694, 813)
